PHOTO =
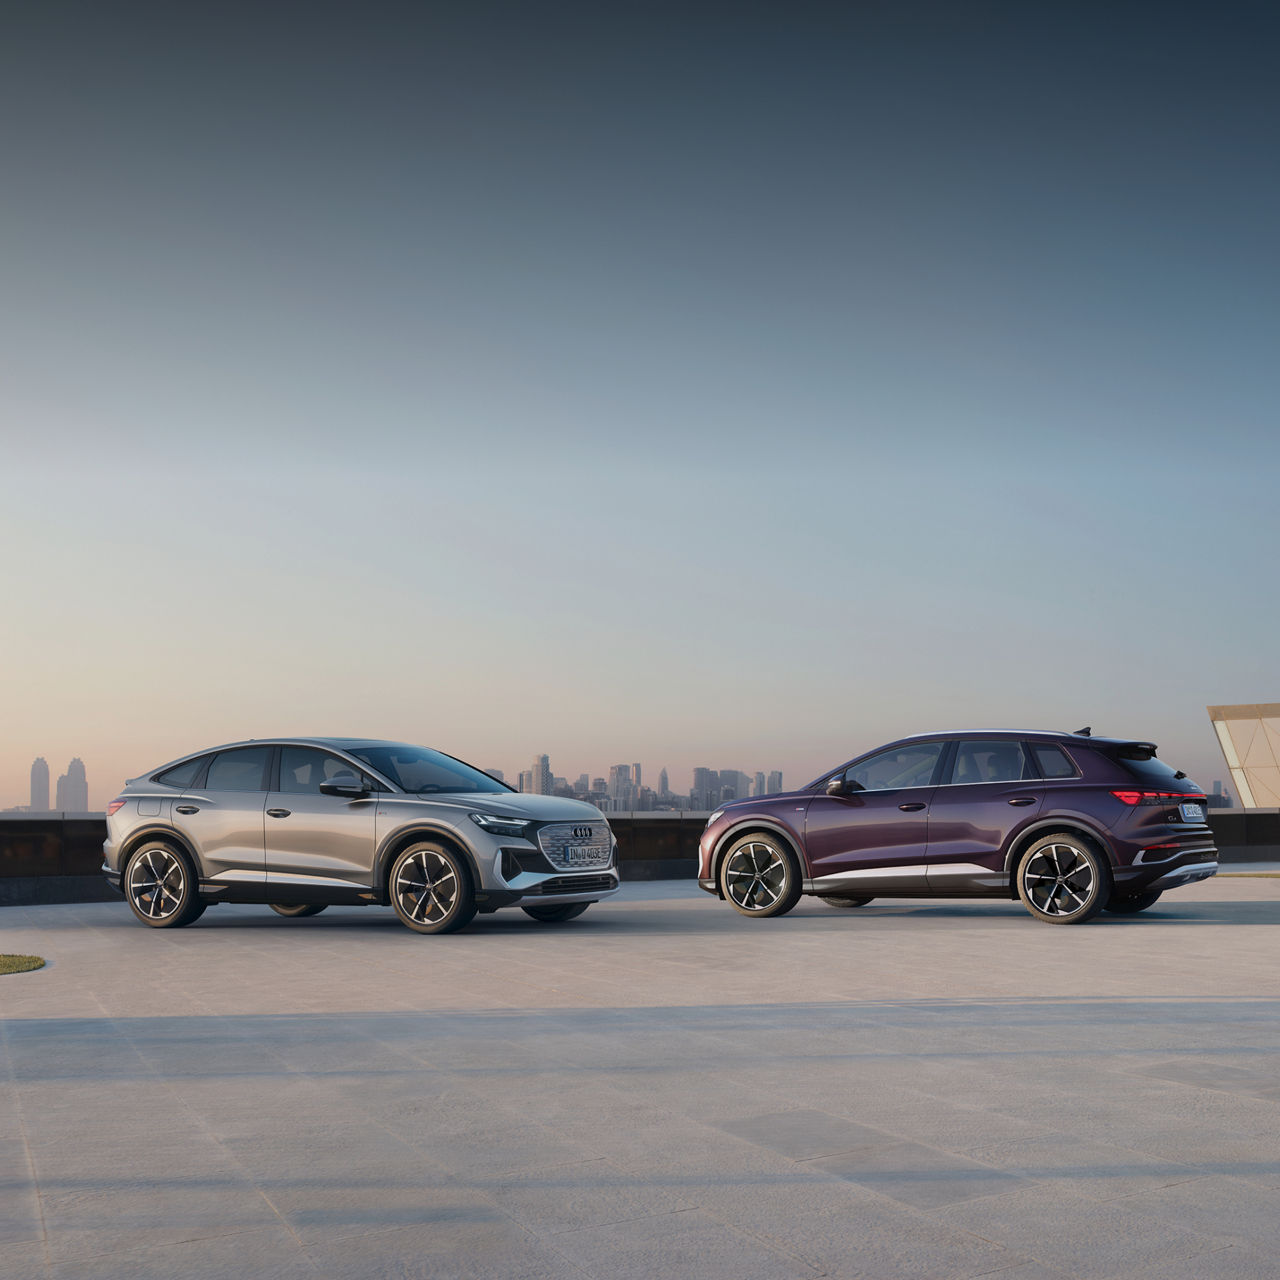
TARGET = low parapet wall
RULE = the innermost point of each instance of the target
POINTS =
(57, 857)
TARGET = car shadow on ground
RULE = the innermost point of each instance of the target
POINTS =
(624, 916)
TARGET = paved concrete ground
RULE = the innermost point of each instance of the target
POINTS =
(658, 1089)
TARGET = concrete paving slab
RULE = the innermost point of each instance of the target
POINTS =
(269, 1253)
(23, 1261)
(918, 1175)
(662, 1084)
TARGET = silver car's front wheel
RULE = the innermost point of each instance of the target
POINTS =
(431, 889)
(160, 885)
(1063, 879)
(759, 877)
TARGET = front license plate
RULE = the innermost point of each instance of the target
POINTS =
(1192, 812)
(575, 855)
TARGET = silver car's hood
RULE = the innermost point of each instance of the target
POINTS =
(511, 804)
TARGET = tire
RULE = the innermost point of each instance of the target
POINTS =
(759, 876)
(1131, 904)
(296, 910)
(556, 915)
(1064, 879)
(430, 888)
(161, 886)
(846, 902)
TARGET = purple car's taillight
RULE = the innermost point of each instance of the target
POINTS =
(1157, 797)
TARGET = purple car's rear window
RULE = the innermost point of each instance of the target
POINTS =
(1052, 760)
(1144, 767)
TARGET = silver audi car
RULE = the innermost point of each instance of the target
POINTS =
(304, 823)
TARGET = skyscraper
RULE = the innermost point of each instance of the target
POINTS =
(73, 789)
(664, 788)
(705, 792)
(620, 790)
(635, 776)
(541, 780)
(775, 782)
(495, 773)
(758, 788)
(39, 786)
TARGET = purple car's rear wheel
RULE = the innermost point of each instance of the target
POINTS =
(759, 876)
(1064, 879)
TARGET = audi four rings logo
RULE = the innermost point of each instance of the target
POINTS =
(582, 833)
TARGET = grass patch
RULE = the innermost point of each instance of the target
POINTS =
(20, 964)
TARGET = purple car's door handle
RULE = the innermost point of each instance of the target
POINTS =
(911, 808)
(1023, 800)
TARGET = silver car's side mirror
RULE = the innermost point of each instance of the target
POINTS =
(343, 784)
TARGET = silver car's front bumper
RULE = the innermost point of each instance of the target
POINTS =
(545, 891)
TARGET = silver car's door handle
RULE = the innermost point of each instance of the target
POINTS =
(188, 808)
(1023, 800)
(278, 813)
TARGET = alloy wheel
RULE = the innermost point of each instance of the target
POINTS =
(1059, 879)
(755, 877)
(426, 887)
(157, 883)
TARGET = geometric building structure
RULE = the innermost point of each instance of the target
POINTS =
(1249, 735)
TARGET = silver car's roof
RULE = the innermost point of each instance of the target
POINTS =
(338, 744)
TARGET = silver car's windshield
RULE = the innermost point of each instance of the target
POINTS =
(423, 771)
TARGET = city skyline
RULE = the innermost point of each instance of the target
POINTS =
(622, 787)
(70, 796)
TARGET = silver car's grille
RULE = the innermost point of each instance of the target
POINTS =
(571, 846)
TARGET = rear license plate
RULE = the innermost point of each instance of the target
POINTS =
(1192, 812)
(576, 855)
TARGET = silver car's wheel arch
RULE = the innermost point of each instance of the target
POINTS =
(396, 843)
(149, 834)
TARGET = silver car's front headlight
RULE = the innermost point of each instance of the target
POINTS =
(500, 826)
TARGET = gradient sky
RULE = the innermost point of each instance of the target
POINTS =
(739, 385)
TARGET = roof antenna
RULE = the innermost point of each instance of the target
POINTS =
(1086, 732)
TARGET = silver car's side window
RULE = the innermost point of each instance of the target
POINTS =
(303, 769)
(243, 769)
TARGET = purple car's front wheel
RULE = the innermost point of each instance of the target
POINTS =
(760, 877)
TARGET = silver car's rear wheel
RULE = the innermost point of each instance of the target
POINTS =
(160, 885)
(431, 889)
(1063, 879)
(759, 877)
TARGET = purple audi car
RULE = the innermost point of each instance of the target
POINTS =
(1069, 823)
